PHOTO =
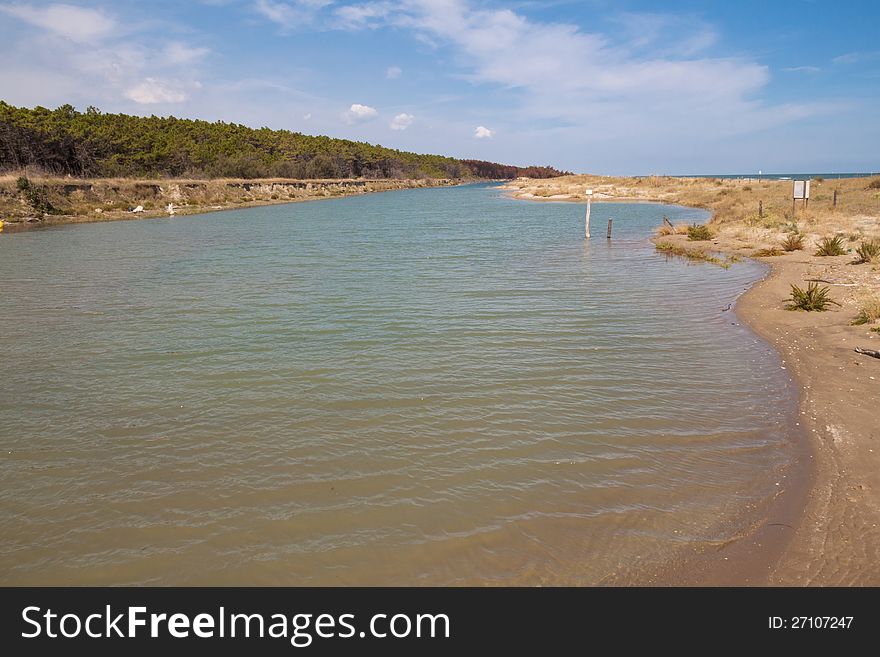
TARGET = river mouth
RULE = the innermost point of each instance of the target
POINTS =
(438, 387)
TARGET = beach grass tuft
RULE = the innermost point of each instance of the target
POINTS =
(793, 242)
(769, 252)
(867, 251)
(811, 299)
(831, 246)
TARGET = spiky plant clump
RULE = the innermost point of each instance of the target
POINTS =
(831, 246)
(793, 242)
(867, 251)
(811, 299)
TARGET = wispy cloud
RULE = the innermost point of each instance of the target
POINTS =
(291, 14)
(393, 72)
(368, 14)
(76, 23)
(857, 57)
(848, 58)
(179, 53)
(560, 73)
(99, 56)
(152, 91)
(802, 69)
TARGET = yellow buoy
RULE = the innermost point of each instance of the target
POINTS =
(1, 225)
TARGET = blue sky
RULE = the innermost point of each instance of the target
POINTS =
(597, 86)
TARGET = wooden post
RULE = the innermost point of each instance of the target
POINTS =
(609, 228)
(587, 223)
(834, 202)
(666, 222)
(760, 209)
(792, 207)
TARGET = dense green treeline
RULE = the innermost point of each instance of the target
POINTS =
(93, 144)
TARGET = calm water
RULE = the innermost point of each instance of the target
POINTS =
(420, 387)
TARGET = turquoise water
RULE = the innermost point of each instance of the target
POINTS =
(440, 386)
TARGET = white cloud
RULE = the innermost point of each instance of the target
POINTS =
(393, 72)
(848, 58)
(368, 14)
(802, 69)
(634, 88)
(482, 132)
(307, 116)
(402, 121)
(152, 91)
(291, 14)
(179, 53)
(75, 23)
(358, 112)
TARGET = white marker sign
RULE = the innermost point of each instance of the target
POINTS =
(801, 189)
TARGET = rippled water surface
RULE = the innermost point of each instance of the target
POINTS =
(420, 387)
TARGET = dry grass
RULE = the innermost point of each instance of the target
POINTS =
(856, 213)
(106, 199)
(869, 309)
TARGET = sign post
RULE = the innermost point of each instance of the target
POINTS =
(589, 198)
(800, 190)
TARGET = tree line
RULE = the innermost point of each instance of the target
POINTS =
(65, 141)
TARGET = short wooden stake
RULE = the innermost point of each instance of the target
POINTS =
(760, 209)
(609, 228)
(834, 202)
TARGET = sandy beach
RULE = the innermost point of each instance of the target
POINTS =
(831, 532)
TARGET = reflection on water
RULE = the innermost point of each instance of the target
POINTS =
(420, 387)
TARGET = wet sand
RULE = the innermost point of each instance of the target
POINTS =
(836, 542)
(824, 527)
(835, 539)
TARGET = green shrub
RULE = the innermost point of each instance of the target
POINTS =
(831, 246)
(699, 233)
(814, 298)
(35, 196)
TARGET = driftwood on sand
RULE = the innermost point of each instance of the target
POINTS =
(868, 352)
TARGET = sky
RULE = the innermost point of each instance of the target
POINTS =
(599, 86)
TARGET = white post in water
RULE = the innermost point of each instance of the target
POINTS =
(589, 198)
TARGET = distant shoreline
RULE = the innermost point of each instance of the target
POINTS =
(827, 531)
(114, 199)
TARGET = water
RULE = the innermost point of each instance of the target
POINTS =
(437, 386)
